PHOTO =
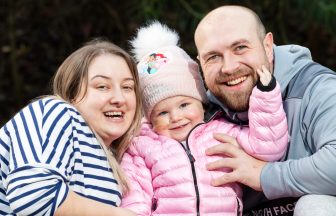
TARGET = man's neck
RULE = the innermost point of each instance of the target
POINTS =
(240, 118)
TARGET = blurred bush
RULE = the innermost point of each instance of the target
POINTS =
(36, 35)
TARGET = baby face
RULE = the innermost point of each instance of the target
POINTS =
(174, 117)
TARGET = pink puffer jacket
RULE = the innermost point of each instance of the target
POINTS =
(168, 178)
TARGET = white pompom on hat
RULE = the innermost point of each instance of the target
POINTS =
(165, 70)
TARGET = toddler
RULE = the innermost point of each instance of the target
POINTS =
(166, 163)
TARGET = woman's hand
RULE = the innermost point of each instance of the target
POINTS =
(245, 168)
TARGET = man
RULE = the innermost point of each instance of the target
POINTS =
(232, 44)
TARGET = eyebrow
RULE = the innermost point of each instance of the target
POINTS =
(106, 77)
(240, 41)
(208, 54)
(100, 76)
(235, 43)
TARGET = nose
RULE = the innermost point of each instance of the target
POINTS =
(117, 97)
(230, 64)
(175, 115)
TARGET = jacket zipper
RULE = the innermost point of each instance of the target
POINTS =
(192, 164)
(192, 161)
(238, 207)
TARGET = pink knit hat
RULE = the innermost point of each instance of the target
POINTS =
(165, 70)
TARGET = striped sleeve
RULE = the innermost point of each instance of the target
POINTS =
(40, 161)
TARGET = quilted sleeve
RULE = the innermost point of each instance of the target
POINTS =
(266, 138)
(139, 198)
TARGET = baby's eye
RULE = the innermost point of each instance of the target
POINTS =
(162, 113)
(184, 105)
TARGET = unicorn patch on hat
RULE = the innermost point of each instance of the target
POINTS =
(153, 62)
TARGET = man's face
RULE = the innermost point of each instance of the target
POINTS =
(230, 51)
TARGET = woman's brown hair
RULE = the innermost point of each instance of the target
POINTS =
(72, 75)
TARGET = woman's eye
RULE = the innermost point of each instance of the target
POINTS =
(102, 87)
(129, 88)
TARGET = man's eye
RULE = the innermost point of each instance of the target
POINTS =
(241, 47)
(212, 58)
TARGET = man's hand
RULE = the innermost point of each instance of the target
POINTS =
(245, 168)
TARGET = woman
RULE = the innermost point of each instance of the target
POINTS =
(59, 155)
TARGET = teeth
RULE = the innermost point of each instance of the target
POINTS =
(236, 81)
(113, 114)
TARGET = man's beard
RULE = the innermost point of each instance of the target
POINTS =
(237, 101)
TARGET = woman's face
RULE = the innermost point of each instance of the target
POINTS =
(109, 104)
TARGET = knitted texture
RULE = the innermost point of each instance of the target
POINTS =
(165, 70)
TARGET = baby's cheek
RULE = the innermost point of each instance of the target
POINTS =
(160, 125)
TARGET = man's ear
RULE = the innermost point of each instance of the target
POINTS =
(268, 46)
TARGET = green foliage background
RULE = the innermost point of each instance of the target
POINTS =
(37, 35)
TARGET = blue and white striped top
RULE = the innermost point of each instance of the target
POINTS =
(45, 150)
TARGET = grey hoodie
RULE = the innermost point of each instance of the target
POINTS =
(310, 163)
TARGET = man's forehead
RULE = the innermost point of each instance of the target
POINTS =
(231, 14)
(226, 20)
(226, 28)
